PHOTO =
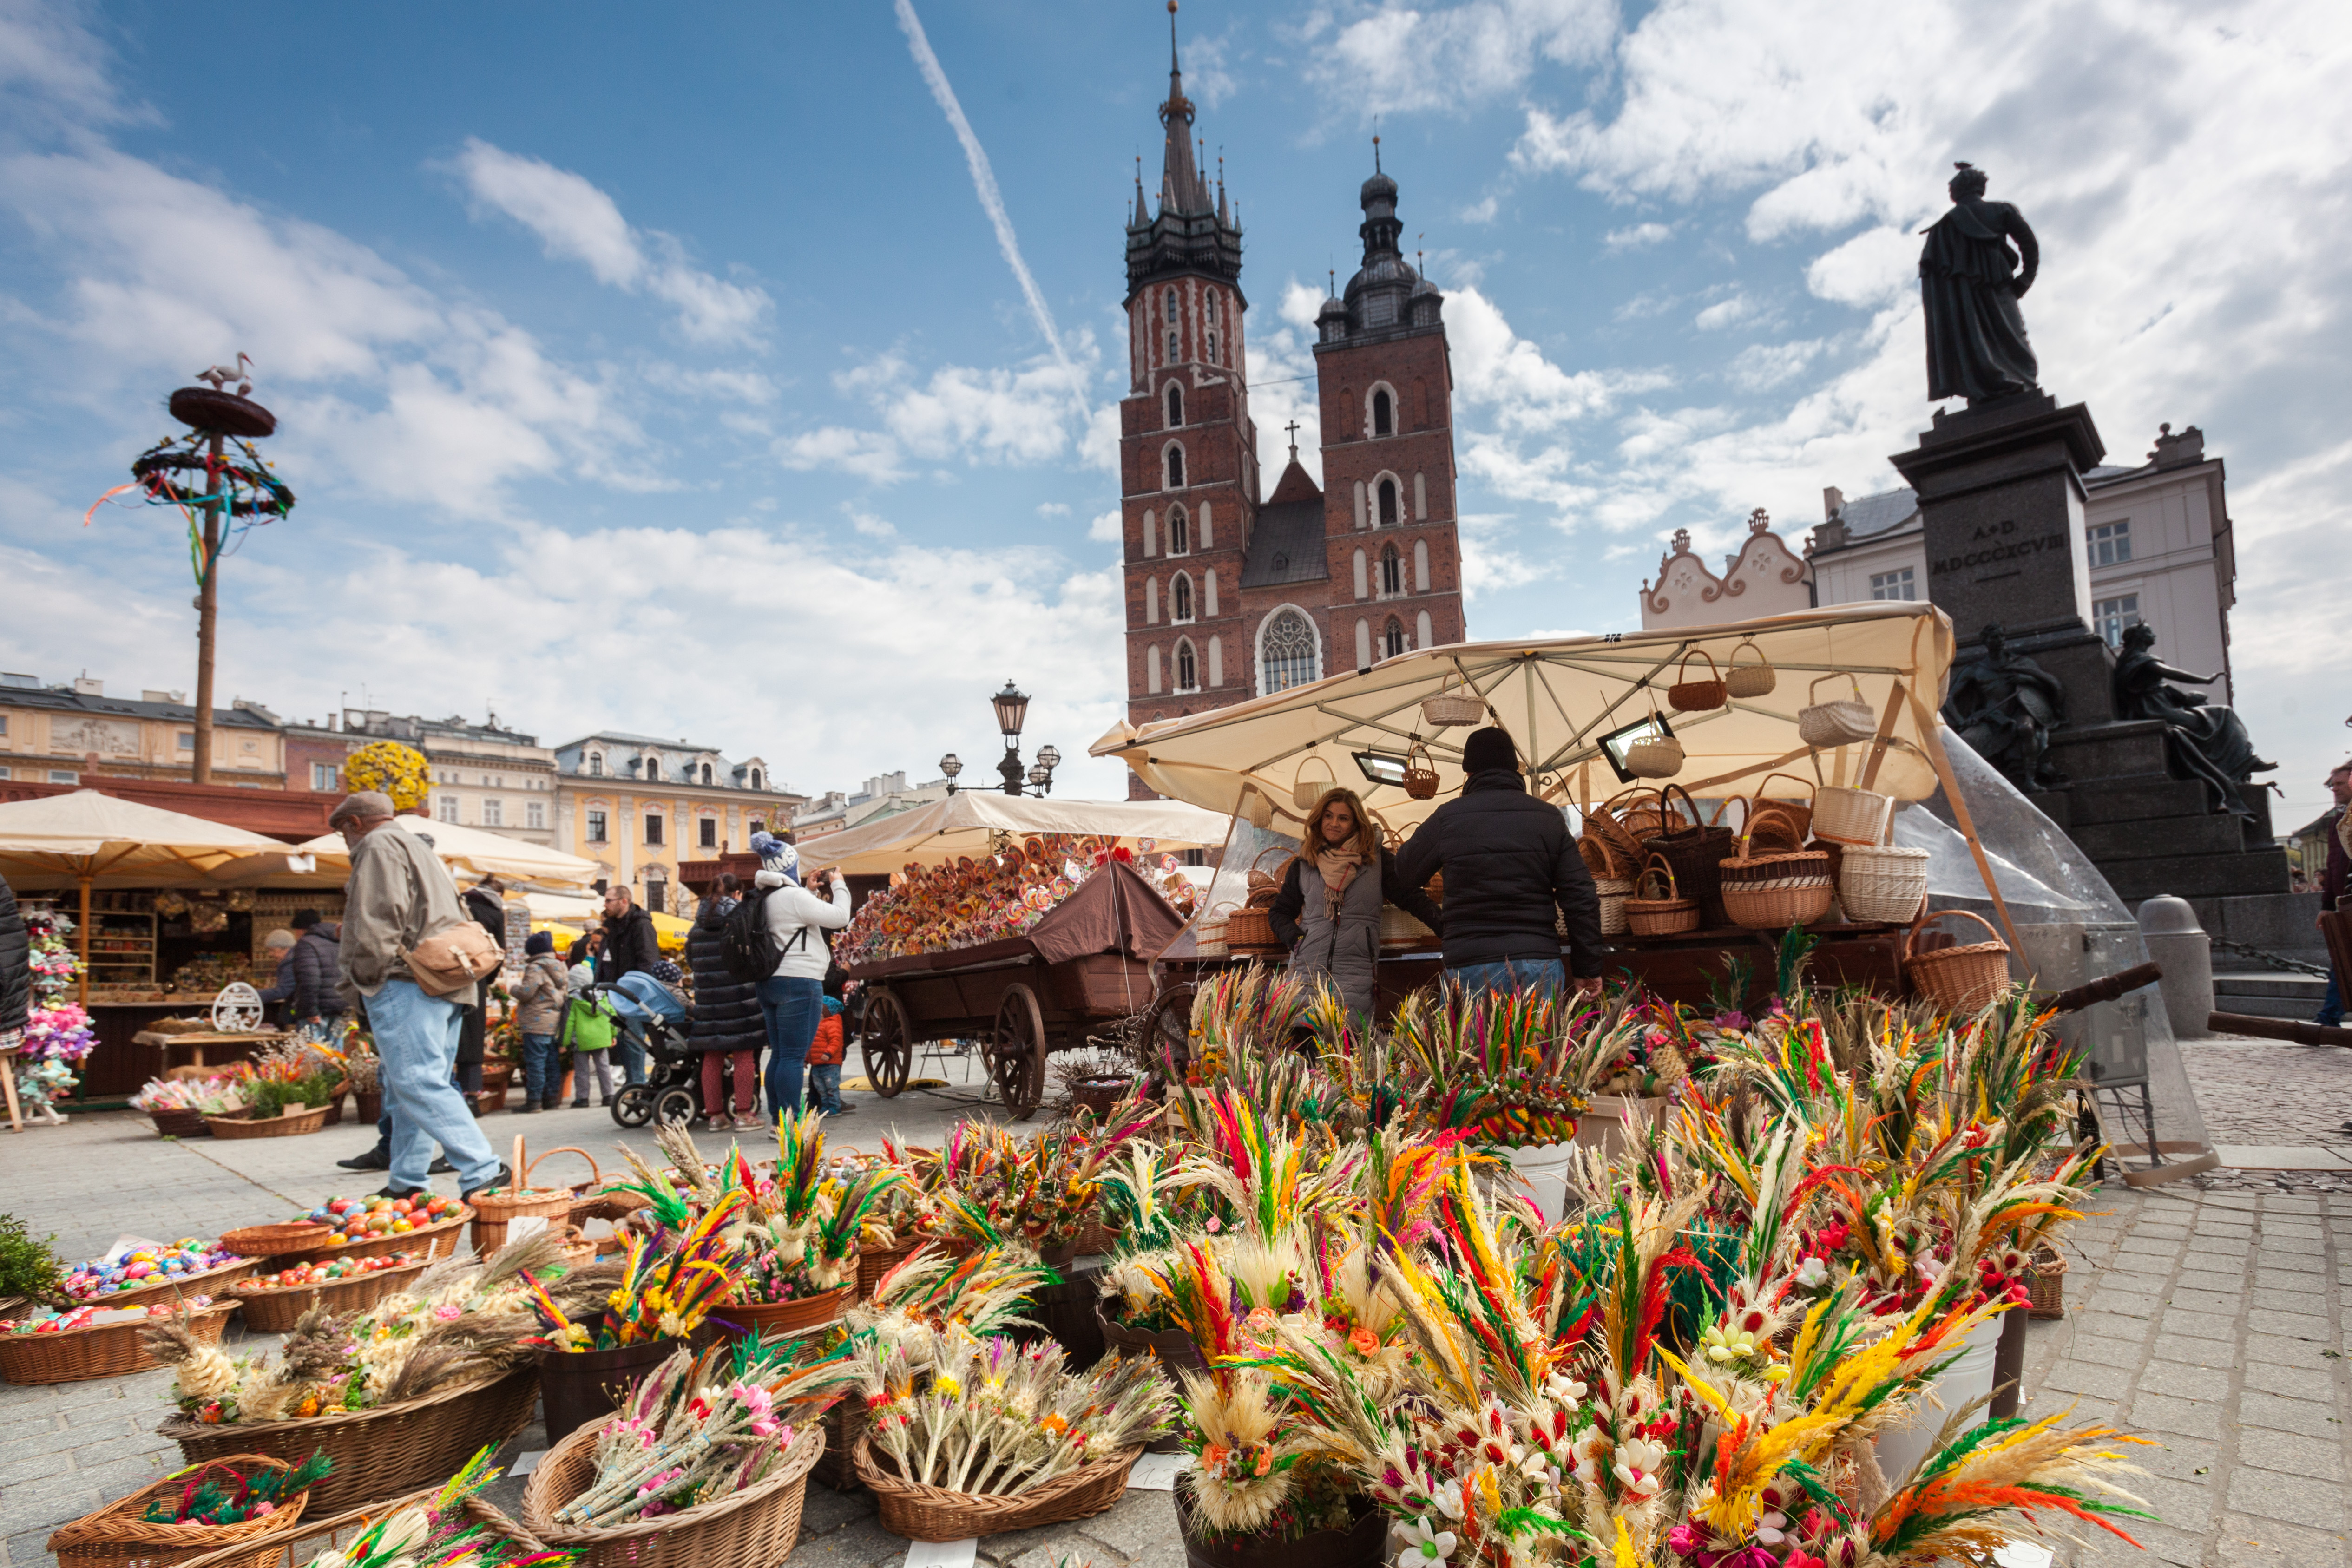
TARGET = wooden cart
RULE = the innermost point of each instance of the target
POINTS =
(1078, 971)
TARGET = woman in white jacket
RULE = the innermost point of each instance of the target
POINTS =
(792, 1000)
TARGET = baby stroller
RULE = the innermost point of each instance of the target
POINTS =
(672, 1091)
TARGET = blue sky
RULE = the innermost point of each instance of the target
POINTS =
(662, 368)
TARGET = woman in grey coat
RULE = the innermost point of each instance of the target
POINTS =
(1329, 910)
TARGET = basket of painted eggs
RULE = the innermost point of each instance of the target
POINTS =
(142, 1271)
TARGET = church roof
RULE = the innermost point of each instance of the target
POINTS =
(1294, 484)
(1287, 543)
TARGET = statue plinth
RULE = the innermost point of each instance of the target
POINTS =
(2001, 510)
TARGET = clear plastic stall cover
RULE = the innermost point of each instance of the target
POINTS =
(2073, 929)
(1245, 846)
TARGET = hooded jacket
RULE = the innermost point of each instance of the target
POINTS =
(725, 1010)
(1509, 862)
(798, 920)
(539, 994)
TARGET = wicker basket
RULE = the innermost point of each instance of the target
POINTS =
(1756, 680)
(275, 1240)
(178, 1125)
(1687, 695)
(1846, 816)
(116, 1536)
(1695, 849)
(1420, 772)
(221, 1281)
(1659, 756)
(755, 1528)
(1799, 812)
(383, 1453)
(1614, 895)
(2046, 1283)
(1882, 882)
(1209, 933)
(873, 1263)
(928, 1513)
(290, 1125)
(777, 1318)
(845, 1424)
(1454, 709)
(1306, 791)
(1403, 932)
(1962, 979)
(101, 1349)
(1776, 889)
(436, 1240)
(495, 1212)
(1666, 916)
(1839, 722)
(1251, 931)
(1605, 822)
(277, 1309)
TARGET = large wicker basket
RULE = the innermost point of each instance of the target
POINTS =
(286, 1127)
(873, 1263)
(1695, 849)
(275, 1240)
(845, 1424)
(99, 1350)
(1882, 882)
(176, 1123)
(929, 1513)
(755, 1528)
(320, 1532)
(772, 1319)
(117, 1536)
(381, 1453)
(1962, 979)
(221, 1281)
(495, 1213)
(1667, 914)
(278, 1309)
(438, 1240)
(1771, 890)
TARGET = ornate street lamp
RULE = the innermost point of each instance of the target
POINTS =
(950, 765)
(1011, 707)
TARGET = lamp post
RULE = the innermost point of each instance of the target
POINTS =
(950, 765)
(1011, 707)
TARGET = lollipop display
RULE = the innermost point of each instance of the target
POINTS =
(970, 899)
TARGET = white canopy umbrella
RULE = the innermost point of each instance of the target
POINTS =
(469, 850)
(970, 821)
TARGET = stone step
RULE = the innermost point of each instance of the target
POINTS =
(2135, 799)
(2196, 876)
(2281, 923)
(2110, 751)
(2269, 994)
(2214, 835)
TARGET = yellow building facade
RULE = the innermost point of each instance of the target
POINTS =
(638, 807)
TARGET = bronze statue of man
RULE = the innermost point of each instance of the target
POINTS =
(2005, 706)
(1970, 283)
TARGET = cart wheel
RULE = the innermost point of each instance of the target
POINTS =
(1165, 1033)
(1016, 1052)
(673, 1107)
(886, 1043)
(633, 1105)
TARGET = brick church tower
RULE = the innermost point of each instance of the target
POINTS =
(1227, 598)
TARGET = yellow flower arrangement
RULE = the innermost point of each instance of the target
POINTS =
(397, 770)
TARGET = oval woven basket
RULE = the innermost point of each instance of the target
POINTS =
(1754, 680)
(873, 1263)
(923, 1512)
(275, 1240)
(220, 1281)
(101, 1349)
(1695, 849)
(1883, 882)
(755, 1528)
(293, 1126)
(495, 1213)
(1771, 890)
(277, 1309)
(117, 1536)
(1846, 816)
(774, 1318)
(438, 1239)
(381, 1453)
(1687, 695)
(180, 1125)
(1964, 979)
(1667, 917)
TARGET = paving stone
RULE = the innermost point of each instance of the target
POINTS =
(2291, 1325)
(1141, 1523)
(2270, 1278)
(2312, 1457)
(2117, 1327)
(2160, 1543)
(2125, 1303)
(2290, 1382)
(2296, 1260)
(2268, 1410)
(2105, 1382)
(825, 1511)
(2184, 1382)
(2179, 1458)
(2233, 1283)
(2302, 1307)
(2149, 1247)
(2185, 1505)
(2164, 1412)
(2223, 1303)
(2213, 1250)
(2296, 1499)
(2198, 1325)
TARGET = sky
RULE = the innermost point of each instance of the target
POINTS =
(750, 373)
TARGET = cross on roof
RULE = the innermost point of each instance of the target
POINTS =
(1293, 428)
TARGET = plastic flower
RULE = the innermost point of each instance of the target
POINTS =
(1639, 1462)
(1812, 1274)
(1425, 1544)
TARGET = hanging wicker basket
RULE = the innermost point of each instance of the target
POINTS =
(1775, 889)
(1306, 791)
(1963, 979)
(1659, 756)
(923, 1512)
(754, 1528)
(119, 1536)
(1687, 695)
(1667, 915)
(1455, 709)
(1420, 772)
(1839, 721)
(1756, 680)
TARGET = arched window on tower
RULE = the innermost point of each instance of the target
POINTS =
(1287, 652)
(1391, 572)
(1175, 466)
(1393, 641)
(1175, 405)
(1387, 502)
(1169, 317)
(1209, 314)
(1180, 598)
(1180, 528)
(1188, 669)
(1383, 412)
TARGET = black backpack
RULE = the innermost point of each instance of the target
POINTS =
(747, 946)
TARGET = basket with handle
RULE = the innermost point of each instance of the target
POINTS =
(1611, 879)
(1453, 708)
(1304, 791)
(1667, 914)
(495, 1213)
(1756, 680)
(1964, 979)
(1696, 849)
(1841, 721)
(1420, 772)
(1882, 881)
(1209, 935)
(1687, 695)
(756, 1527)
(119, 1536)
(2046, 1283)
(1605, 822)
(1262, 881)
(1659, 757)
(1771, 890)
(1799, 812)
(1846, 816)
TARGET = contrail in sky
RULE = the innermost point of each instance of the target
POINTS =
(983, 178)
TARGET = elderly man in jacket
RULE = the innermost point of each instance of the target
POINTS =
(1512, 877)
(399, 895)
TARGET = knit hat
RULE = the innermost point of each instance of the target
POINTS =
(538, 942)
(1489, 750)
(776, 855)
(668, 973)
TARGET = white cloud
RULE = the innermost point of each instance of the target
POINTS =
(1283, 387)
(1389, 57)
(1762, 366)
(1108, 528)
(1489, 563)
(1482, 211)
(1637, 235)
(1024, 415)
(578, 222)
(869, 525)
(1053, 509)
(1725, 313)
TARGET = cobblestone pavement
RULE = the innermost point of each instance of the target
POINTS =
(2266, 1094)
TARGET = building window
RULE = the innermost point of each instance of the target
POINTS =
(707, 831)
(1383, 412)
(64, 776)
(706, 773)
(1388, 496)
(652, 827)
(596, 827)
(1175, 405)
(1287, 652)
(1898, 584)
(2111, 543)
(1188, 670)
(324, 777)
(1175, 467)
(1393, 641)
(652, 768)
(1179, 532)
(1169, 317)
(187, 740)
(494, 812)
(534, 814)
(595, 764)
(450, 806)
(1180, 599)
(1391, 572)
(1212, 347)
(2111, 616)
(7, 773)
(755, 778)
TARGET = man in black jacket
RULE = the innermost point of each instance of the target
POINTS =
(16, 966)
(317, 964)
(630, 944)
(1509, 862)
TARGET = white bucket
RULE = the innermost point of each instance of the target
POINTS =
(1603, 1124)
(1967, 1378)
(1542, 1169)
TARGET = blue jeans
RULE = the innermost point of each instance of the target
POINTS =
(2331, 1006)
(1546, 975)
(417, 1038)
(792, 1006)
(540, 1078)
(824, 1087)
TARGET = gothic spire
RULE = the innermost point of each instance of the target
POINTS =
(1182, 189)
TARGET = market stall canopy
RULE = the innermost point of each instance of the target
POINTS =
(58, 840)
(1562, 699)
(470, 850)
(970, 822)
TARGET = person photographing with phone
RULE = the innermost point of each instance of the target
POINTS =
(792, 1000)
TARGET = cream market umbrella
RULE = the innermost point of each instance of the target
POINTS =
(471, 850)
(970, 822)
(87, 839)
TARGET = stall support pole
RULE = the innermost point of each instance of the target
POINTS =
(81, 941)
(1931, 732)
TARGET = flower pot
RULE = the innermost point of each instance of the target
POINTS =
(1363, 1544)
(368, 1104)
(581, 1386)
(772, 1319)
(1603, 1127)
(1900, 1449)
(1543, 1169)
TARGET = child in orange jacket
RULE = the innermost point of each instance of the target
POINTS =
(824, 1056)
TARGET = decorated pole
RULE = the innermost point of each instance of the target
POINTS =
(207, 619)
